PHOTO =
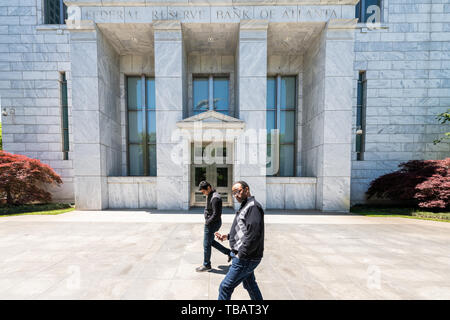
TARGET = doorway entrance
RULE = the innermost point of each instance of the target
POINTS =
(218, 173)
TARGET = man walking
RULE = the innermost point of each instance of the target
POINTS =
(247, 244)
(213, 222)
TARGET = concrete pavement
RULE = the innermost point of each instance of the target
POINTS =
(153, 255)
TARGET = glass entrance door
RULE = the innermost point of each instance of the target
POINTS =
(218, 175)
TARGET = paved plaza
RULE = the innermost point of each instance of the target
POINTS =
(153, 255)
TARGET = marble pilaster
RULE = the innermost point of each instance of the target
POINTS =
(252, 78)
(172, 189)
(89, 167)
(333, 179)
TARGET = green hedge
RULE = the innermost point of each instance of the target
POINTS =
(4, 210)
(380, 210)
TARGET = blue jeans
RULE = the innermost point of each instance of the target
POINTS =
(241, 270)
(208, 241)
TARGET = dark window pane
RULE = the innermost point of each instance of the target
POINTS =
(136, 155)
(64, 90)
(358, 143)
(368, 3)
(287, 127)
(151, 104)
(200, 175)
(269, 153)
(271, 124)
(358, 11)
(287, 160)
(220, 88)
(358, 117)
(201, 90)
(359, 104)
(363, 12)
(361, 115)
(271, 164)
(141, 126)
(359, 90)
(151, 126)
(65, 120)
(287, 93)
(222, 177)
(136, 127)
(64, 105)
(152, 159)
(55, 12)
(271, 93)
(134, 93)
(66, 140)
(65, 115)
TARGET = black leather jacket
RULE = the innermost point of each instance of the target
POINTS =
(213, 209)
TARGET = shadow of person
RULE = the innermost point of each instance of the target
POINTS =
(220, 269)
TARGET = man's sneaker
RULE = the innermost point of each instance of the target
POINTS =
(202, 269)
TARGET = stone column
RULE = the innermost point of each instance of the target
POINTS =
(172, 187)
(333, 180)
(252, 88)
(89, 167)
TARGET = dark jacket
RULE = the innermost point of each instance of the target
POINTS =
(213, 209)
(247, 232)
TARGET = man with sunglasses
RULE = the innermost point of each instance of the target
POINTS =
(247, 244)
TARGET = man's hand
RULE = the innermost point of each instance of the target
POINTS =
(221, 237)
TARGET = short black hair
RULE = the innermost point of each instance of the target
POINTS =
(204, 185)
(243, 184)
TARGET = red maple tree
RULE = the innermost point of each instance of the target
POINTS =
(425, 181)
(22, 179)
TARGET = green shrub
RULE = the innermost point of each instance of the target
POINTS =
(10, 209)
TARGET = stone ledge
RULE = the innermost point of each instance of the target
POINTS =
(59, 28)
(291, 180)
(377, 26)
(131, 180)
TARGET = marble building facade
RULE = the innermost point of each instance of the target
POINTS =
(169, 48)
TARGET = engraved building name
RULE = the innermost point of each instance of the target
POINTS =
(213, 14)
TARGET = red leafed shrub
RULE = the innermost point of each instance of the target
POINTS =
(427, 182)
(22, 179)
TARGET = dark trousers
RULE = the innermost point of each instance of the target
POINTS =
(208, 242)
(241, 270)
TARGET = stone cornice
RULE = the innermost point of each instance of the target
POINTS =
(151, 3)
(212, 14)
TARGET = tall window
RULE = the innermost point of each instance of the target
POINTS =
(211, 93)
(365, 9)
(55, 12)
(141, 126)
(361, 115)
(64, 116)
(281, 116)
